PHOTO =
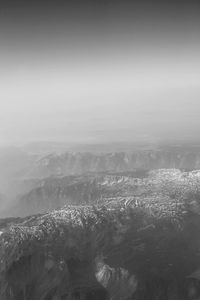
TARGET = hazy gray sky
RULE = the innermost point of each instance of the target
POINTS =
(109, 78)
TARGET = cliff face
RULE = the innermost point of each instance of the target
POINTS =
(79, 163)
(147, 249)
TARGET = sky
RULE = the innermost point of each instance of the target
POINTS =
(99, 71)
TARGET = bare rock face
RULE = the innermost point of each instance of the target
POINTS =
(117, 281)
(121, 250)
(80, 163)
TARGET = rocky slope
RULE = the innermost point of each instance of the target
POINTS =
(133, 234)
(136, 250)
(55, 192)
(23, 171)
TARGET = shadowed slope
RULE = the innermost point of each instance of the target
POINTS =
(118, 251)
